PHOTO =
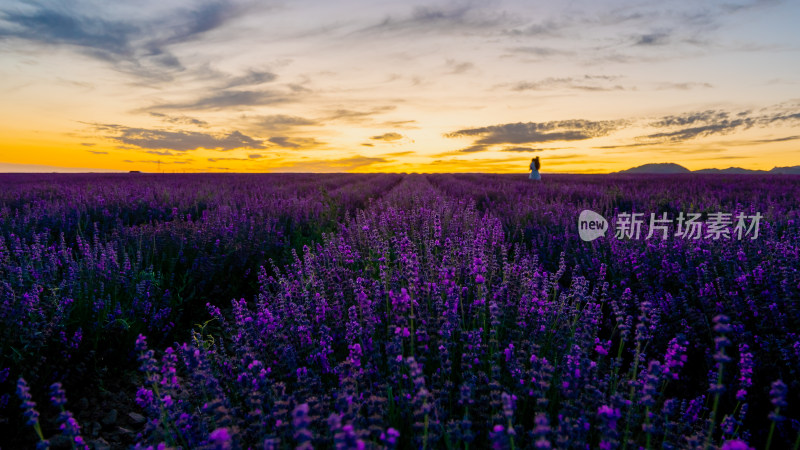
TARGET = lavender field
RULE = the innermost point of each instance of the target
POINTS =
(453, 311)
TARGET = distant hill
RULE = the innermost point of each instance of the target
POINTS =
(734, 170)
(786, 170)
(669, 168)
(658, 168)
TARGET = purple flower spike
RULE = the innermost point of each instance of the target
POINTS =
(735, 444)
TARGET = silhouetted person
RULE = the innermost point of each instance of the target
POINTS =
(535, 169)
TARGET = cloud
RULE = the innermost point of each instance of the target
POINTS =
(295, 142)
(228, 99)
(717, 122)
(179, 141)
(533, 132)
(780, 117)
(358, 161)
(541, 52)
(388, 137)
(521, 149)
(251, 78)
(356, 116)
(698, 124)
(548, 28)
(685, 86)
(132, 42)
(656, 38)
(448, 18)
(699, 131)
(640, 144)
(250, 157)
(783, 139)
(752, 142)
(97, 152)
(564, 157)
(181, 120)
(408, 124)
(585, 83)
(454, 67)
(474, 149)
(630, 33)
(64, 26)
(160, 153)
(701, 117)
(281, 122)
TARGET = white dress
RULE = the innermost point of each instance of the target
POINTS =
(534, 172)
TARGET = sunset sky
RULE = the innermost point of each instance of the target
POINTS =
(376, 86)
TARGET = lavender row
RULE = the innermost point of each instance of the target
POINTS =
(87, 262)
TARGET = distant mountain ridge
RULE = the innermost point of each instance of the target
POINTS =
(672, 168)
(658, 168)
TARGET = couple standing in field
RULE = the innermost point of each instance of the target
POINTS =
(535, 165)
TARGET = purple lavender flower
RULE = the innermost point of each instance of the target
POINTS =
(390, 437)
(28, 405)
(221, 439)
(302, 431)
(675, 358)
(745, 371)
(735, 444)
(58, 397)
(541, 432)
(777, 394)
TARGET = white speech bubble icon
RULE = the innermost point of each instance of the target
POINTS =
(591, 225)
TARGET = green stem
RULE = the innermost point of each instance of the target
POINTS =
(666, 431)
(616, 366)
(631, 393)
(712, 424)
(733, 414)
(38, 429)
(466, 416)
(772, 430)
(425, 436)
(511, 437)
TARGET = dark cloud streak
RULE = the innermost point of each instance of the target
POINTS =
(135, 45)
(532, 132)
(227, 99)
(183, 120)
(388, 137)
(449, 18)
(714, 122)
(281, 122)
(178, 141)
(295, 142)
(585, 83)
